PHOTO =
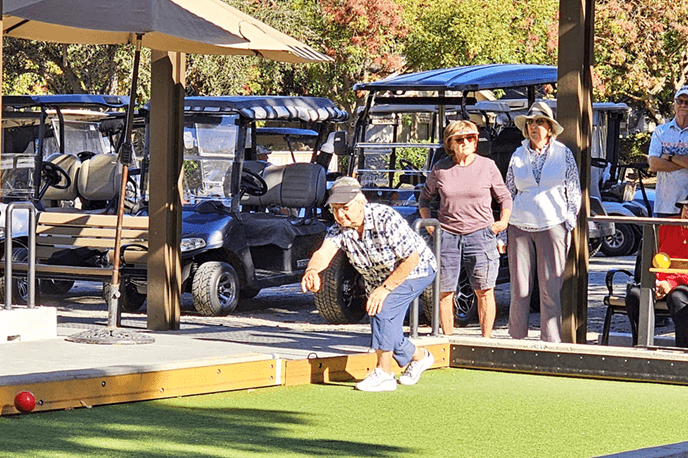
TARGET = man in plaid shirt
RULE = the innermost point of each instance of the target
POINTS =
(397, 266)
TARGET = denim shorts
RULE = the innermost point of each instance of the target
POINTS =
(476, 252)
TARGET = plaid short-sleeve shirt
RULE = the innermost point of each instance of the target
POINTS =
(386, 241)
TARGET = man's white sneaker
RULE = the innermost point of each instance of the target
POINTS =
(412, 373)
(378, 380)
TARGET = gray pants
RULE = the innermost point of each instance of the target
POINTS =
(543, 252)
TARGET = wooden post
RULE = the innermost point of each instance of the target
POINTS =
(166, 157)
(574, 113)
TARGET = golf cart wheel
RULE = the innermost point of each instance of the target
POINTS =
(621, 242)
(130, 300)
(215, 289)
(342, 296)
(20, 285)
(465, 302)
(49, 286)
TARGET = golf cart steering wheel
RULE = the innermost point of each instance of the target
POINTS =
(252, 184)
(53, 175)
(407, 165)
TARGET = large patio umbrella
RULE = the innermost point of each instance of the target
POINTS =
(189, 26)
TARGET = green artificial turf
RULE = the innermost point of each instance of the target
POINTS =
(450, 413)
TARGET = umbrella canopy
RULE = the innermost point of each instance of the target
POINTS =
(189, 26)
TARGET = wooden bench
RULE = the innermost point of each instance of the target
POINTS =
(57, 232)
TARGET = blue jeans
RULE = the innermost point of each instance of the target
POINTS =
(388, 325)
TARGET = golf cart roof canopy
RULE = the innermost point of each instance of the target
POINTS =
(260, 108)
(22, 102)
(472, 78)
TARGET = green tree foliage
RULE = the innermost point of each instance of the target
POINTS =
(49, 68)
(449, 33)
(641, 52)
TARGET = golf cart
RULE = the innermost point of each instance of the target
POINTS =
(613, 184)
(58, 153)
(248, 224)
(398, 138)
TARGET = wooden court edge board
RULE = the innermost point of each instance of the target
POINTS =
(77, 389)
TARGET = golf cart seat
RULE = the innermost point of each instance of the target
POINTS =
(300, 186)
(70, 164)
(100, 178)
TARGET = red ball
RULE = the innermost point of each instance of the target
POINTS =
(25, 401)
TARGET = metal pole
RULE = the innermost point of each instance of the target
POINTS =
(125, 159)
(436, 240)
(31, 272)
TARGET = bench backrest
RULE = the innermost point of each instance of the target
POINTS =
(297, 185)
(58, 231)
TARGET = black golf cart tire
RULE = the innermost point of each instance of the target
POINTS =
(465, 302)
(215, 289)
(20, 285)
(50, 286)
(130, 300)
(621, 243)
(332, 300)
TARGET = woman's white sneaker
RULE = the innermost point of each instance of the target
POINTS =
(412, 373)
(378, 380)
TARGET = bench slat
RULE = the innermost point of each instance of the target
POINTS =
(65, 242)
(55, 270)
(47, 231)
(90, 220)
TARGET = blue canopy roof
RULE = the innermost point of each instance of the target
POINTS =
(66, 100)
(473, 78)
(313, 109)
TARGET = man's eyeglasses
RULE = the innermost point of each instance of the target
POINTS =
(537, 122)
(681, 102)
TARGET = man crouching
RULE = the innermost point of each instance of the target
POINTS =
(397, 266)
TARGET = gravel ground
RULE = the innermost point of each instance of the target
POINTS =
(287, 308)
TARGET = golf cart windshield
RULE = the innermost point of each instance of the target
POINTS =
(209, 152)
(79, 136)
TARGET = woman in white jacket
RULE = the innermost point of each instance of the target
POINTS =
(543, 180)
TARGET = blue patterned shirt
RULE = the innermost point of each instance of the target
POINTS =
(386, 241)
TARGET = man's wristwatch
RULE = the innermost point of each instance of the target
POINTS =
(670, 157)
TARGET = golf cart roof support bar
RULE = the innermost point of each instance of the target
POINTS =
(237, 166)
(393, 156)
(531, 96)
(61, 121)
(442, 114)
(39, 156)
(464, 110)
(359, 134)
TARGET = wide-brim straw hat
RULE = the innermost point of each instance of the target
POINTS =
(539, 110)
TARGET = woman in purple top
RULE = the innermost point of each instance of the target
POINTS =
(466, 184)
